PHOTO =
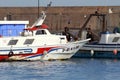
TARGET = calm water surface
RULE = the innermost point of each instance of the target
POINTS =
(73, 69)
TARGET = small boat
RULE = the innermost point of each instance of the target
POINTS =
(37, 43)
(107, 47)
(107, 44)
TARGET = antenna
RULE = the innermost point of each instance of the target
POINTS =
(48, 5)
(40, 20)
(38, 8)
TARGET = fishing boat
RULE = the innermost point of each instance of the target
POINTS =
(107, 47)
(37, 43)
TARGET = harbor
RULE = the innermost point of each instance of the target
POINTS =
(59, 40)
(100, 19)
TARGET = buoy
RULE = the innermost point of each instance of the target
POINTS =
(115, 51)
(92, 52)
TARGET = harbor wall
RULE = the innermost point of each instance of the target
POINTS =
(60, 17)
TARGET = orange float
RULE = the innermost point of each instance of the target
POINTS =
(115, 51)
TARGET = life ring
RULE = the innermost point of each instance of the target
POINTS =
(10, 53)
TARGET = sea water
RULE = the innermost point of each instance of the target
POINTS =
(72, 69)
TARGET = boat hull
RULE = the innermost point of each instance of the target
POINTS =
(99, 51)
(46, 52)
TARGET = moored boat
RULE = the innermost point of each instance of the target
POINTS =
(37, 43)
(107, 47)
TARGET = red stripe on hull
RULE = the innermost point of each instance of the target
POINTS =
(41, 50)
(3, 57)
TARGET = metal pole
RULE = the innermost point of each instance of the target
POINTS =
(38, 8)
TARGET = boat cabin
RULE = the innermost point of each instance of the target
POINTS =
(37, 37)
(37, 30)
(110, 38)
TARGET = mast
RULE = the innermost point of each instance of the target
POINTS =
(38, 8)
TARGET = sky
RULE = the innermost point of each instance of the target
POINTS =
(34, 3)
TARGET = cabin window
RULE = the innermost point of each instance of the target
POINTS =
(116, 39)
(28, 41)
(39, 32)
(13, 42)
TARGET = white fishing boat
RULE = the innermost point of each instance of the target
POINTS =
(107, 47)
(37, 43)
